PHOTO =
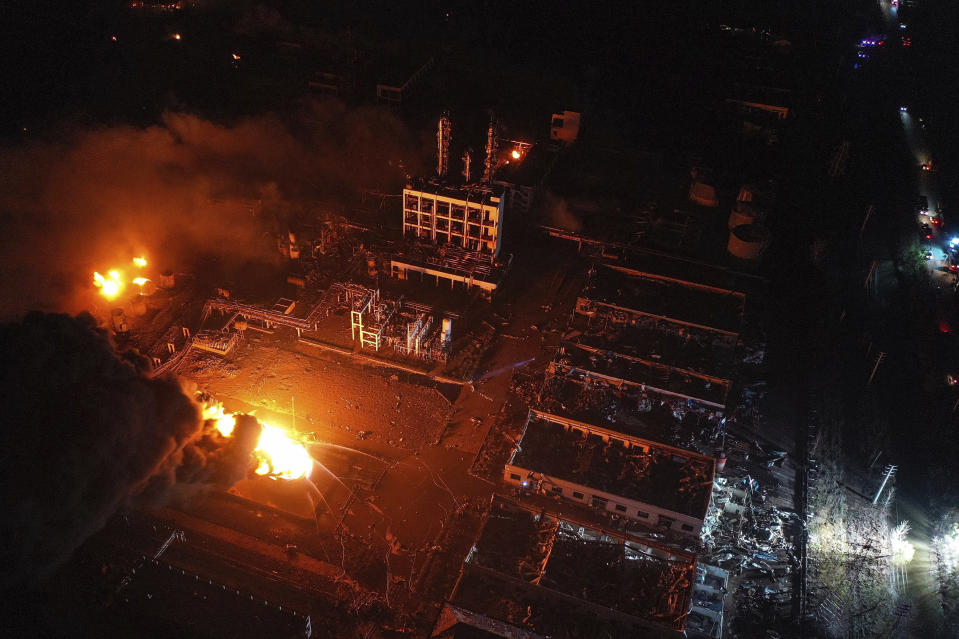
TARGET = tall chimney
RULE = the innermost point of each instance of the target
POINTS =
(492, 143)
(443, 135)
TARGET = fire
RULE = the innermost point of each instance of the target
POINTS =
(515, 154)
(278, 454)
(110, 285)
(225, 422)
(140, 261)
(140, 281)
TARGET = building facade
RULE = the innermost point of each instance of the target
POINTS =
(469, 217)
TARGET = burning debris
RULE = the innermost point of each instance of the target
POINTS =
(104, 433)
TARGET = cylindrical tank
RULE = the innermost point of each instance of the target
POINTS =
(119, 320)
(742, 214)
(138, 306)
(721, 461)
(703, 194)
(447, 329)
(748, 242)
(166, 280)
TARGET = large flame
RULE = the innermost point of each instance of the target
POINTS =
(224, 422)
(281, 456)
(278, 453)
(110, 285)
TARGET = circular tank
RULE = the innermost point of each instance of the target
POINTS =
(742, 213)
(703, 194)
(167, 279)
(748, 241)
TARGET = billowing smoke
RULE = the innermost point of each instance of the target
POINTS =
(88, 199)
(84, 431)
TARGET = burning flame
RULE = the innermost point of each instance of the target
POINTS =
(278, 454)
(225, 422)
(109, 286)
(515, 154)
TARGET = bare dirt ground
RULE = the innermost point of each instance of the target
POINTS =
(325, 393)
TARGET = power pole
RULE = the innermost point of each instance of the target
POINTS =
(890, 471)
(881, 356)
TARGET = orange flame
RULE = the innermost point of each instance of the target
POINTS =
(140, 261)
(110, 285)
(279, 454)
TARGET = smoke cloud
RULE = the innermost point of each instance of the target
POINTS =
(84, 431)
(91, 199)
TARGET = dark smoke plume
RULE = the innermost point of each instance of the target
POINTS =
(84, 431)
(92, 198)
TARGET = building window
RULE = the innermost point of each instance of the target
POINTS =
(577, 495)
(442, 224)
(514, 476)
(458, 212)
(558, 490)
(412, 202)
(621, 508)
(426, 206)
(642, 515)
(687, 527)
(665, 522)
(474, 230)
(557, 123)
(599, 502)
(443, 208)
(474, 215)
(457, 228)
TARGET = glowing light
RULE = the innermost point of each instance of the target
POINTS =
(278, 454)
(140, 261)
(281, 456)
(236, 56)
(110, 285)
(225, 422)
(177, 36)
(140, 281)
(515, 155)
(902, 550)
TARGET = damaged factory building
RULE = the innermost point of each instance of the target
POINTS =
(533, 574)
(661, 486)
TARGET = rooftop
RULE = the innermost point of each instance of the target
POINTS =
(551, 576)
(474, 192)
(660, 475)
(692, 348)
(672, 299)
(644, 371)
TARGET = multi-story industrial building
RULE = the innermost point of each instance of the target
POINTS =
(470, 216)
